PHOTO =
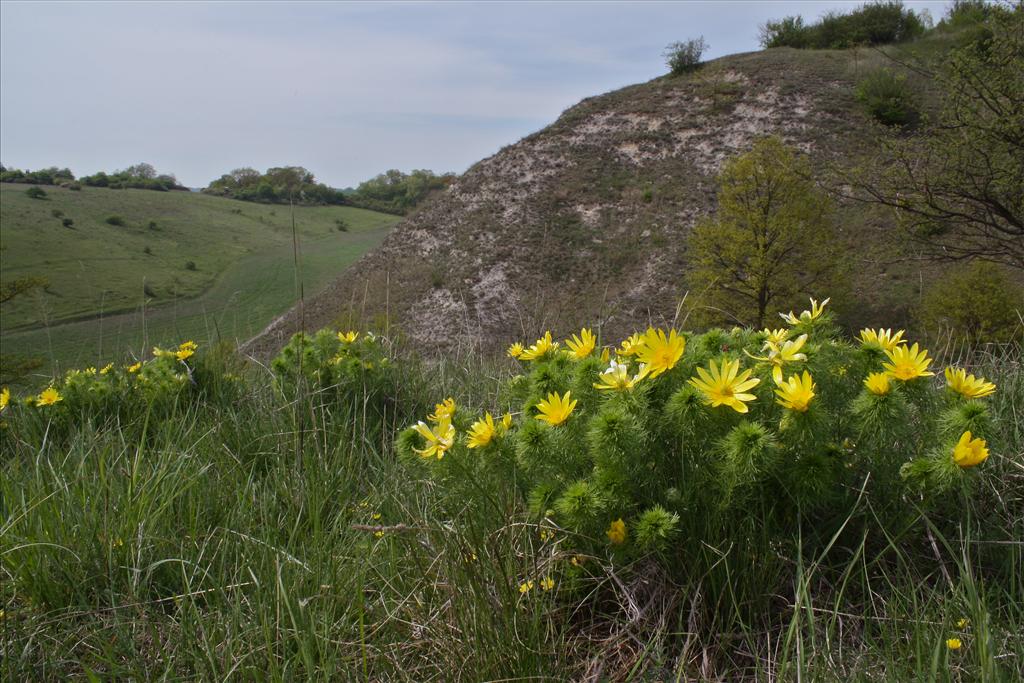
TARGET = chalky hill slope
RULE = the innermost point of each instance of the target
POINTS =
(585, 221)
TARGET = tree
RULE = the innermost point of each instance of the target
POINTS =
(958, 188)
(15, 367)
(681, 57)
(771, 239)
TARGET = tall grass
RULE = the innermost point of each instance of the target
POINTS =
(257, 537)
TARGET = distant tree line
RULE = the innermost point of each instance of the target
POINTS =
(876, 23)
(278, 185)
(396, 192)
(140, 176)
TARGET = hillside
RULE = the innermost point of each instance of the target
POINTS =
(103, 276)
(585, 220)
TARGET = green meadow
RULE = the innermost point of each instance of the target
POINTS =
(181, 265)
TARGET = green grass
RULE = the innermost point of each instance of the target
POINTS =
(95, 305)
(235, 538)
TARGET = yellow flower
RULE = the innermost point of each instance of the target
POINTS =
(90, 370)
(184, 353)
(968, 386)
(439, 439)
(617, 377)
(631, 345)
(546, 535)
(616, 532)
(906, 364)
(969, 452)
(443, 410)
(954, 644)
(788, 352)
(188, 346)
(883, 338)
(796, 392)
(48, 397)
(605, 354)
(583, 345)
(348, 337)
(106, 368)
(481, 432)
(726, 386)
(5, 398)
(516, 350)
(547, 583)
(134, 368)
(963, 623)
(555, 409)
(775, 337)
(542, 346)
(525, 587)
(157, 352)
(659, 352)
(806, 316)
(877, 383)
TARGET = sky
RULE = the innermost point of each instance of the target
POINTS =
(346, 89)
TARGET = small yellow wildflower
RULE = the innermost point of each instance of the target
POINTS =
(796, 392)
(90, 370)
(188, 346)
(968, 386)
(546, 534)
(378, 534)
(481, 432)
(583, 345)
(5, 398)
(443, 410)
(954, 644)
(659, 352)
(878, 383)
(555, 409)
(375, 516)
(969, 452)
(577, 560)
(605, 354)
(132, 369)
(106, 368)
(506, 421)
(525, 587)
(439, 439)
(631, 345)
(883, 338)
(516, 350)
(616, 532)
(348, 337)
(963, 623)
(539, 348)
(547, 583)
(617, 378)
(184, 354)
(48, 397)
(806, 316)
(907, 364)
(725, 385)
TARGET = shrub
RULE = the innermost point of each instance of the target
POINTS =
(190, 265)
(673, 443)
(35, 192)
(976, 299)
(341, 224)
(75, 187)
(56, 213)
(147, 250)
(682, 57)
(151, 225)
(114, 220)
(875, 23)
(887, 98)
(67, 222)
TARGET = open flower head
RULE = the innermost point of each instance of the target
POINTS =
(878, 383)
(906, 364)
(773, 338)
(725, 385)
(186, 350)
(616, 378)
(5, 398)
(106, 368)
(796, 392)
(547, 583)
(481, 432)
(48, 397)
(969, 452)
(134, 367)
(539, 348)
(954, 644)
(631, 345)
(525, 587)
(555, 409)
(660, 352)
(616, 532)
(806, 316)
(968, 386)
(438, 439)
(443, 411)
(348, 337)
(787, 352)
(515, 350)
(882, 338)
(583, 345)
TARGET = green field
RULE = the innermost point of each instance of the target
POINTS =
(109, 297)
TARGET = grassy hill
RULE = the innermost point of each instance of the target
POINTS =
(587, 219)
(116, 289)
